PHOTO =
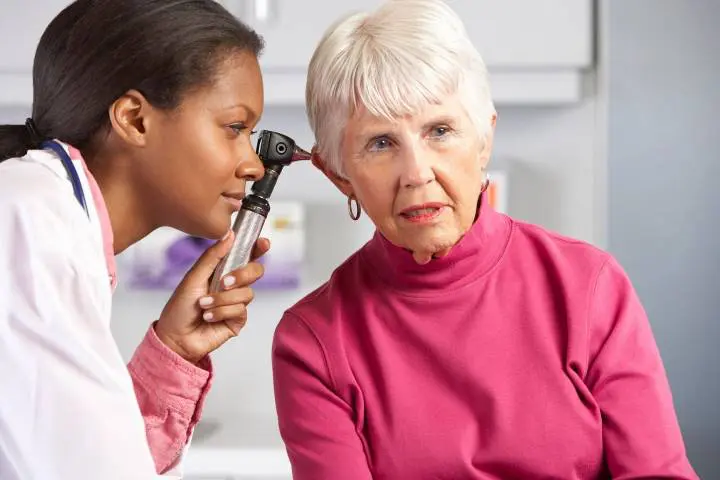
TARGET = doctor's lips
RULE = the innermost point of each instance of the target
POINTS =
(234, 198)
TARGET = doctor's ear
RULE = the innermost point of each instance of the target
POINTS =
(342, 183)
(130, 116)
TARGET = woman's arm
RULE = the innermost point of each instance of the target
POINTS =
(317, 425)
(171, 392)
(641, 435)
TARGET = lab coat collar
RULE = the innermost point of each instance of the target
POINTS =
(98, 211)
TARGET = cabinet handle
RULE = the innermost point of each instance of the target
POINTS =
(262, 10)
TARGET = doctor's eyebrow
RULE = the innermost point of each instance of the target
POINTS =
(251, 114)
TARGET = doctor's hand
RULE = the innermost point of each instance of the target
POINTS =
(194, 322)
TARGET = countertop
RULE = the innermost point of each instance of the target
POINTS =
(241, 448)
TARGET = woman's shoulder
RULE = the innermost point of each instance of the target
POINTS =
(588, 276)
(322, 304)
(536, 251)
(532, 239)
(314, 330)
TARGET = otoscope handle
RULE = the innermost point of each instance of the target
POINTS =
(247, 227)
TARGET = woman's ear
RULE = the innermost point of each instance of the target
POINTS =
(130, 117)
(340, 182)
(487, 147)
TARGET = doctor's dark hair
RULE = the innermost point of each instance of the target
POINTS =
(95, 51)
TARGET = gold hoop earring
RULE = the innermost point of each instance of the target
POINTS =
(355, 211)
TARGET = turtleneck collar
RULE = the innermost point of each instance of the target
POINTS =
(475, 254)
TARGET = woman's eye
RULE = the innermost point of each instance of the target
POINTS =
(379, 144)
(439, 131)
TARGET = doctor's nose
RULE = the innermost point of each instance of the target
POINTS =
(250, 167)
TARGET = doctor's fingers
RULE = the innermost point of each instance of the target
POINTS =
(261, 247)
(236, 314)
(243, 276)
(240, 295)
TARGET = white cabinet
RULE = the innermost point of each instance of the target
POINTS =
(536, 50)
(508, 33)
(529, 33)
(293, 28)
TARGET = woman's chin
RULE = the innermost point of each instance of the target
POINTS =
(432, 242)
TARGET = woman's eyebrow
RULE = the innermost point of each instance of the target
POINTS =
(374, 132)
(440, 120)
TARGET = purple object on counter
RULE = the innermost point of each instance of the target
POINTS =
(182, 254)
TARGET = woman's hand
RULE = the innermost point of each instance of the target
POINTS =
(194, 323)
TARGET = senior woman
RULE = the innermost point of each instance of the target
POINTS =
(458, 343)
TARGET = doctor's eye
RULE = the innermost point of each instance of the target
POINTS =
(238, 128)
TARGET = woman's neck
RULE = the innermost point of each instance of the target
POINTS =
(129, 213)
(472, 257)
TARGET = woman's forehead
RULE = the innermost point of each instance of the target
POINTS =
(450, 106)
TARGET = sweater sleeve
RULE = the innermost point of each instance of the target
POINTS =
(315, 423)
(641, 435)
(170, 392)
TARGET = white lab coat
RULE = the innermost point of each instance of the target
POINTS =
(67, 405)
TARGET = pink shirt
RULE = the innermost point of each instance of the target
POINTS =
(170, 390)
(522, 354)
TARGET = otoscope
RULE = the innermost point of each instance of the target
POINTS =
(276, 151)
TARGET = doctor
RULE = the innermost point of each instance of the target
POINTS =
(141, 118)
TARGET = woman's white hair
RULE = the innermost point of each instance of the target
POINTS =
(393, 61)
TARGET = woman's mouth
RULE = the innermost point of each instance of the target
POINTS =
(424, 213)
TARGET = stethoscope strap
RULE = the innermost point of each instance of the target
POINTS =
(70, 169)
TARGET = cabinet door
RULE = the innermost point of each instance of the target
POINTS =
(530, 33)
(293, 28)
(22, 23)
(508, 33)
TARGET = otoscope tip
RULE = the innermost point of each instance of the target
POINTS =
(300, 154)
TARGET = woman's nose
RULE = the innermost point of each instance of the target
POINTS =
(417, 169)
(250, 167)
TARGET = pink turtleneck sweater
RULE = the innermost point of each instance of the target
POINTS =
(522, 354)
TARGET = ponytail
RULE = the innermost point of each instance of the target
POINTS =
(16, 140)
